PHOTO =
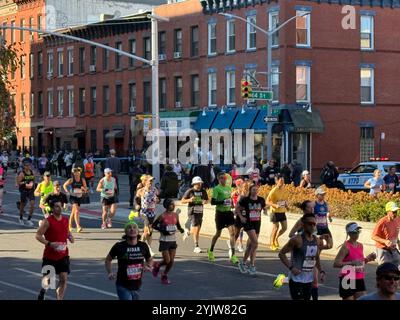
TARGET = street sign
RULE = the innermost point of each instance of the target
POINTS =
(271, 119)
(275, 112)
(261, 95)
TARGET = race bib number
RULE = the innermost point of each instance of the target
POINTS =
(227, 202)
(271, 176)
(170, 228)
(134, 271)
(29, 185)
(321, 220)
(78, 192)
(281, 203)
(60, 246)
(110, 192)
(254, 215)
(198, 209)
(360, 269)
(308, 264)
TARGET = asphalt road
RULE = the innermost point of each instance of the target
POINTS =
(192, 276)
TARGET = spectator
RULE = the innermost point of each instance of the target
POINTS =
(329, 175)
(375, 184)
(61, 163)
(78, 162)
(42, 165)
(306, 180)
(296, 169)
(114, 164)
(391, 180)
(68, 164)
(270, 173)
(135, 172)
(169, 183)
(177, 168)
(286, 173)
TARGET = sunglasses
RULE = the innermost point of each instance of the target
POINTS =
(47, 175)
(390, 278)
(311, 223)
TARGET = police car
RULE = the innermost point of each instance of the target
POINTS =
(356, 177)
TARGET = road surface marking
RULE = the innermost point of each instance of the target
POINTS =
(23, 289)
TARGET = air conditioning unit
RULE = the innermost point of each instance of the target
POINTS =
(178, 104)
(161, 56)
(177, 55)
(132, 109)
(49, 75)
(92, 68)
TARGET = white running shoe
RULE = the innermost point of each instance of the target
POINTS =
(240, 248)
(197, 250)
(109, 224)
(29, 223)
(228, 242)
(230, 253)
(21, 222)
(185, 235)
(40, 223)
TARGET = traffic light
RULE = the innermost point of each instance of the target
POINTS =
(246, 89)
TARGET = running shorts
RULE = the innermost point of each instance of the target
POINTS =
(278, 217)
(75, 200)
(256, 226)
(224, 219)
(62, 265)
(27, 196)
(108, 201)
(346, 293)
(167, 245)
(321, 231)
(196, 219)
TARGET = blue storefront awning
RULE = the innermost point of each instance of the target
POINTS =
(224, 121)
(244, 120)
(204, 121)
(259, 125)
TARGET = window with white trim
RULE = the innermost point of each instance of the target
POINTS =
(303, 29)
(230, 87)
(212, 89)
(275, 83)
(70, 53)
(302, 84)
(60, 94)
(70, 102)
(230, 36)
(32, 104)
(251, 33)
(212, 38)
(273, 23)
(23, 105)
(60, 58)
(50, 63)
(31, 65)
(367, 85)
(50, 103)
(366, 143)
(367, 32)
(23, 66)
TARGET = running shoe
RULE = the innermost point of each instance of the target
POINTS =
(164, 279)
(185, 235)
(197, 250)
(228, 242)
(240, 248)
(79, 229)
(41, 294)
(40, 223)
(109, 224)
(243, 268)
(151, 252)
(278, 283)
(234, 260)
(156, 269)
(230, 253)
(277, 244)
(273, 247)
(21, 222)
(70, 229)
(210, 255)
(252, 270)
(29, 223)
(103, 226)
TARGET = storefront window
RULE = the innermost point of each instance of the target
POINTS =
(299, 149)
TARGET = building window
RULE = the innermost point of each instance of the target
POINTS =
(367, 85)
(93, 99)
(195, 91)
(163, 93)
(132, 50)
(23, 66)
(146, 97)
(367, 32)
(251, 33)
(93, 56)
(273, 24)
(230, 87)
(40, 63)
(106, 58)
(118, 56)
(230, 36)
(70, 61)
(40, 103)
(303, 84)
(178, 92)
(105, 140)
(106, 99)
(366, 144)
(178, 41)
(93, 140)
(50, 104)
(132, 97)
(70, 102)
(81, 60)
(39, 25)
(31, 65)
(60, 103)
(82, 98)
(212, 38)
(162, 42)
(13, 103)
(22, 32)
(60, 59)
(50, 64)
(147, 48)
(23, 105)
(32, 104)
(31, 25)
(118, 98)
(12, 32)
(303, 29)
(212, 89)
(194, 41)
(275, 84)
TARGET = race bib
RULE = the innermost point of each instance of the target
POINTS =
(321, 220)
(60, 246)
(271, 176)
(110, 192)
(198, 209)
(134, 271)
(77, 192)
(29, 185)
(308, 264)
(281, 203)
(360, 269)
(170, 227)
(227, 202)
(254, 215)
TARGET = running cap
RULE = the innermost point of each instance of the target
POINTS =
(391, 206)
(78, 169)
(47, 173)
(352, 227)
(130, 223)
(107, 170)
(197, 180)
(386, 268)
(320, 190)
(305, 172)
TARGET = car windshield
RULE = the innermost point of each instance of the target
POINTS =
(364, 168)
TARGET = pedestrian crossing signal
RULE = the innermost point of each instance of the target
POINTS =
(246, 89)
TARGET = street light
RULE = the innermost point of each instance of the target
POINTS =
(269, 34)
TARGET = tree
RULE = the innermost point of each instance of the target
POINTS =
(9, 62)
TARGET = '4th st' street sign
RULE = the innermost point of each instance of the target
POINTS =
(261, 95)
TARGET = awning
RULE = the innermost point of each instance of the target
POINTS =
(259, 124)
(244, 120)
(115, 134)
(304, 121)
(79, 134)
(204, 121)
(224, 121)
(45, 130)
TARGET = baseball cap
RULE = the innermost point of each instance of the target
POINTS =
(391, 206)
(129, 223)
(47, 173)
(320, 190)
(107, 170)
(386, 268)
(352, 227)
(196, 180)
(305, 172)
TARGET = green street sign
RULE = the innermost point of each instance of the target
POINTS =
(275, 112)
(261, 95)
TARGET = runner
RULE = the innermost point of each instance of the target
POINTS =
(130, 253)
(107, 187)
(251, 220)
(276, 200)
(387, 282)
(53, 233)
(221, 197)
(26, 183)
(78, 186)
(89, 173)
(242, 190)
(306, 180)
(2, 183)
(375, 184)
(322, 214)
(55, 196)
(196, 197)
(167, 223)
(351, 260)
(386, 235)
(4, 162)
(305, 249)
(43, 189)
